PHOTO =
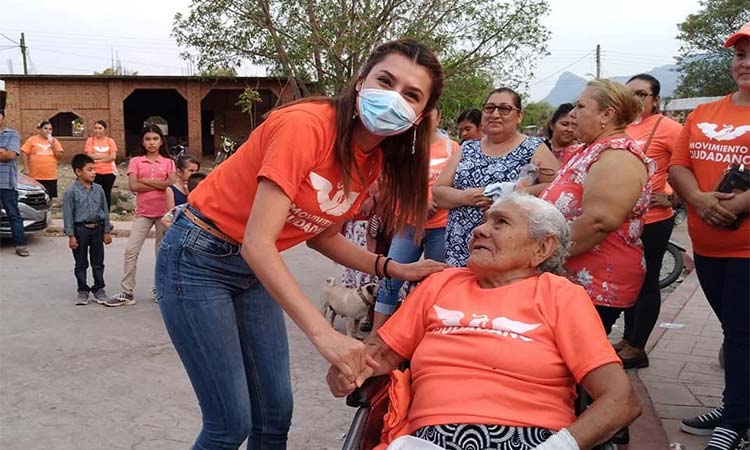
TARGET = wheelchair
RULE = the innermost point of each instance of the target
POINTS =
(371, 401)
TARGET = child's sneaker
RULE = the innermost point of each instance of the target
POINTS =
(82, 298)
(121, 299)
(704, 424)
(153, 294)
(100, 297)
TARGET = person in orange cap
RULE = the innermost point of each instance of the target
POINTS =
(716, 136)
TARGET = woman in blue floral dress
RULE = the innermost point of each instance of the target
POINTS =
(497, 157)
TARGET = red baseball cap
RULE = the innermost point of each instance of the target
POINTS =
(743, 32)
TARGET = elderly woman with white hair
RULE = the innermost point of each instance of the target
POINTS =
(498, 347)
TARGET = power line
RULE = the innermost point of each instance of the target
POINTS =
(11, 40)
(91, 35)
(101, 57)
(562, 69)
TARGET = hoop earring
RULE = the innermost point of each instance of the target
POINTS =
(414, 141)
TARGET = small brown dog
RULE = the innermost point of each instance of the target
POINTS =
(351, 304)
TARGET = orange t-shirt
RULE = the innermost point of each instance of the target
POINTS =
(42, 161)
(102, 146)
(716, 135)
(293, 148)
(660, 151)
(440, 153)
(506, 356)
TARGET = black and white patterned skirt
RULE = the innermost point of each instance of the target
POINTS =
(483, 437)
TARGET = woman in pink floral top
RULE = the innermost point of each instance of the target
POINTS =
(603, 191)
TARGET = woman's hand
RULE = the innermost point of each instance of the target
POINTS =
(708, 207)
(347, 355)
(432, 208)
(737, 205)
(660, 199)
(341, 386)
(415, 271)
(475, 197)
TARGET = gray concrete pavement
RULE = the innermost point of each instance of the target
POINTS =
(91, 377)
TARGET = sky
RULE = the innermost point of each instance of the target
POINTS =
(83, 36)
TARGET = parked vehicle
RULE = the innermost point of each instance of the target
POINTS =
(671, 264)
(176, 151)
(34, 205)
(227, 147)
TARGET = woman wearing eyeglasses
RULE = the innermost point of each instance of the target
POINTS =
(603, 191)
(657, 136)
(497, 157)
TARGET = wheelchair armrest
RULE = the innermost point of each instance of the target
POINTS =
(363, 394)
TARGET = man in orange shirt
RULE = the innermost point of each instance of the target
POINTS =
(497, 348)
(717, 135)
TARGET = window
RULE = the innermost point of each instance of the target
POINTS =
(67, 124)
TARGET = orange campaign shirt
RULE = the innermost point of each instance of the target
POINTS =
(505, 356)
(42, 161)
(660, 150)
(440, 153)
(293, 148)
(715, 136)
(102, 146)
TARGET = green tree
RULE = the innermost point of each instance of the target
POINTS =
(319, 45)
(703, 62)
(537, 114)
(218, 72)
(461, 92)
(117, 70)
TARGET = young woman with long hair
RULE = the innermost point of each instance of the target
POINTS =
(221, 282)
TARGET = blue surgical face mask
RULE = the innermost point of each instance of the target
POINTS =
(384, 112)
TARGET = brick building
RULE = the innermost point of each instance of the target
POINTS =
(192, 110)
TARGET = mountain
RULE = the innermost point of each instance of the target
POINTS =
(566, 90)
(569, 85)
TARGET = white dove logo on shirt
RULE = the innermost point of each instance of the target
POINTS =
(336, 205)
(438, 161)
(101, 149)
(727, 133)
(501, 326)
(43, 149)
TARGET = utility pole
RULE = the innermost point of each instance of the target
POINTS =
(23, 54)
(598, 61)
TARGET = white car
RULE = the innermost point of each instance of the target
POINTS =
(34, 205)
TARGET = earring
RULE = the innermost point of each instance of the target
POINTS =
(414, 142)
(603, 125)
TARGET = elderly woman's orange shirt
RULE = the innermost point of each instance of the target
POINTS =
(506, 356)
(613, 271)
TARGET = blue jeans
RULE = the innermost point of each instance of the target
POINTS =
(231, 337)
(9, 202)
(404, 250)
(725, 283)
